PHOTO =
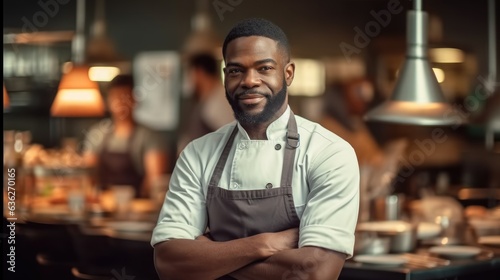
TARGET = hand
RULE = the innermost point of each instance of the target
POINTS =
(283, 240)
(204, 237)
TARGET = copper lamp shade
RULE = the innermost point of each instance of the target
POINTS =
(77, 95)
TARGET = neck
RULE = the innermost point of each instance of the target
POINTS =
(258, 131)
(124, 127)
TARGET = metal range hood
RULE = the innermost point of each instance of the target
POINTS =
(417, 98)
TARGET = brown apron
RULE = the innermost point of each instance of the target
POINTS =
(117, 168)
(236, 214)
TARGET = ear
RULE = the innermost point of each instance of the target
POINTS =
(289, 72)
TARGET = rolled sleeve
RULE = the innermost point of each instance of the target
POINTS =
(336, 239)
(331, 212)
(166, 230)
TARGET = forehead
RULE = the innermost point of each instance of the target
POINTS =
(253, 48)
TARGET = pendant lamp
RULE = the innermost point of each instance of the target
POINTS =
(417, 98)
(77, 95)
(104, 61)
(203, 38)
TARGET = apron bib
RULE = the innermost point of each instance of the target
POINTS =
(236, 214)
(117, 168)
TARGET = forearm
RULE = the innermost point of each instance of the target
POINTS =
(205, 259)
(302, 263)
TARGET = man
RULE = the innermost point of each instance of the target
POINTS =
(125, 152)
(211, 110)
(345, 105)
(278, 193)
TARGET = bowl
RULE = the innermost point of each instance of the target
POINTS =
(402, 235)
(485, 227)
(371, 244)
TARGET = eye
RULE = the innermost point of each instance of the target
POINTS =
(233, 71)
(265, 68)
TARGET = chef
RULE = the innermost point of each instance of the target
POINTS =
(269, 196)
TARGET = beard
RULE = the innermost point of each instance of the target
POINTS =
(273, 104)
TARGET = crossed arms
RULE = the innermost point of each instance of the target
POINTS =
(328, 221)
(262, 256)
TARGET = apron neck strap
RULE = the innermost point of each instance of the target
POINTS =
(214, 181)
(292, 143)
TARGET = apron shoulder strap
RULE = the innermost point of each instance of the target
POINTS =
(214, 180)
(292, 143)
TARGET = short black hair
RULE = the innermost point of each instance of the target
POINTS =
(206, 62)
(257, 27)
(122, 80)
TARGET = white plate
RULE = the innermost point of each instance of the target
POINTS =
(385, 260)
(131, 226)
(384, 226)
(456, 251)
(492, 240)
(427, 230)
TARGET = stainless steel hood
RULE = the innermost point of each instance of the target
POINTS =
(417, 98)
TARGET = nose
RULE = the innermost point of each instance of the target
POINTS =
(250, 79)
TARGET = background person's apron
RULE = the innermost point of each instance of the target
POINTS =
(117, 168)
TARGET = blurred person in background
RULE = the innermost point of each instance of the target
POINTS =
(124, 151)
(211, 110)
(344, 107)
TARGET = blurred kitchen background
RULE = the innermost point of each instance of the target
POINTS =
(348, 53)
(338, 41)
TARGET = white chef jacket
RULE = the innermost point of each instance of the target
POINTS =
(325, 182)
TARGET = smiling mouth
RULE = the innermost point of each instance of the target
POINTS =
(250, 99)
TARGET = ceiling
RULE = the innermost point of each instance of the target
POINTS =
(315, 28)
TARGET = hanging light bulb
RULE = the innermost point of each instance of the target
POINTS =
(105, 63)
